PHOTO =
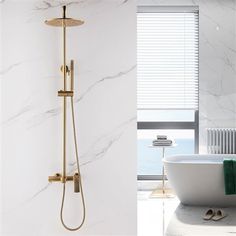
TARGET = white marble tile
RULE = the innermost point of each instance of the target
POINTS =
(104, 51)
(217, 62)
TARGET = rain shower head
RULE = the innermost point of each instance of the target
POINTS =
(64, 21)
(60, 22)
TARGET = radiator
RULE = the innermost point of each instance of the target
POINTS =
(221, 140)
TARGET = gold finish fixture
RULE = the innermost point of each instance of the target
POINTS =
(58, 178)
(64, 21)
(62, 93)
(68, 71)
(76, 183)
(68, 22)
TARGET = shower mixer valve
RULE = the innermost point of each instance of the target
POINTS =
(58, 178)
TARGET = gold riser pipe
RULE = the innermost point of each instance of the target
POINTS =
(64, 102)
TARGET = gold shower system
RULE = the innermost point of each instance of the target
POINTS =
(68, 71)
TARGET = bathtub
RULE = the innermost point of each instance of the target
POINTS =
(199, 179)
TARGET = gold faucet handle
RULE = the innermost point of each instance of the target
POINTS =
(67, 69)
(54, 178)
(76, 183)
(59, 178)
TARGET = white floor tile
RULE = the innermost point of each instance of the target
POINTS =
(167, 217)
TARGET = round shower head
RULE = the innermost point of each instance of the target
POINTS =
(67, 22)
(64, 21)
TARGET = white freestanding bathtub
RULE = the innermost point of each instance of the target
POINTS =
(199, 179)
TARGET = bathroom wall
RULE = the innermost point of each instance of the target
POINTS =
(217, 62)
(104, 49)
(217, 66)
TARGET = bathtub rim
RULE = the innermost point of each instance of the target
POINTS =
(213, 159)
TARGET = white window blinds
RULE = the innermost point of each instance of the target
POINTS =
(167, 58)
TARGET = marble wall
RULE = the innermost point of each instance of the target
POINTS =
(217, 66)
(104, 49)
(217, 62)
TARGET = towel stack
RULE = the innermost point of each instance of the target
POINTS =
(230, 176)
(162, 140)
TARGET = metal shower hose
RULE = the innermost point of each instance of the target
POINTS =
(80, 182)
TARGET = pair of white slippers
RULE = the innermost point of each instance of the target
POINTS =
(212, 214)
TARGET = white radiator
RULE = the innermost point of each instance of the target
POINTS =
(221, 141)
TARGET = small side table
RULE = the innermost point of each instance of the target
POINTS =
(163, 193)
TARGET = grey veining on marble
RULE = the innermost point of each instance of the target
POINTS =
(44, 116)
(13, 118)
(96, 151)
(38, 193)
(124, 1)
(118, 75)
(37, 119)
(9, 68)
(45, 5)
(101, 146)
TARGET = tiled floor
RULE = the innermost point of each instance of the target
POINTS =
(167, 217)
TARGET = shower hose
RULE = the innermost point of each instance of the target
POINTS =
(80, 182)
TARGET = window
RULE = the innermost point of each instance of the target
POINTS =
(167, 81)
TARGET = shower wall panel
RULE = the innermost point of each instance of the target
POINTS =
(104, 50)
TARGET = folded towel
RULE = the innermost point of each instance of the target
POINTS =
(230, 176)
(161, 137)
(162, 145)
(162, 142)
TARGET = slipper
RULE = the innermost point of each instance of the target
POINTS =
(220, 214)
(209, 214)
